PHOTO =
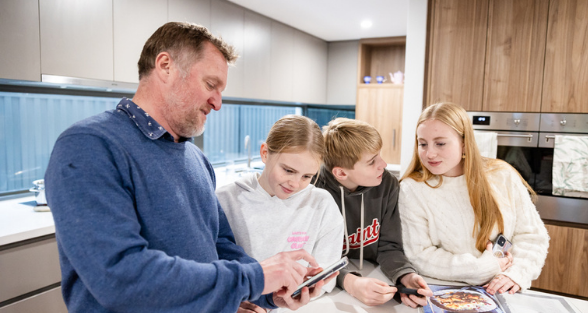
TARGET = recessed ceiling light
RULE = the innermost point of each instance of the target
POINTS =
(366, 24)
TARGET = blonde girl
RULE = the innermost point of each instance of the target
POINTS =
(279, 210)
(454, 203)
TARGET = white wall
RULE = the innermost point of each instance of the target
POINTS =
(342, 72)
(415, 77)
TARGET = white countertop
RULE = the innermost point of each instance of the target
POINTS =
(19, 221)
(340, 301)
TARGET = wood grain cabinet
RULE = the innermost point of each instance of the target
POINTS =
(515, 51)
(565, 79)
(566, 266)
(508, 55)
(456, 50)
(381, 104)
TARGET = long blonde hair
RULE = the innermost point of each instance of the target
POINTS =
(486, 210)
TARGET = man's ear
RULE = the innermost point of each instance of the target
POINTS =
(163, 65)
(263, 152)
(339, 173)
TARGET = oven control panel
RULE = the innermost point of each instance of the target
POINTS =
(564, 123)
(505, 121)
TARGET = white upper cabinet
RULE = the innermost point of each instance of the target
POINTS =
(310, 72)
(19, 40)
(134, 22)
(256, 56)
(77, 38)
(281, 66)
(227, 21)
(193, 11)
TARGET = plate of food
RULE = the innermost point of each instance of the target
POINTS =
(463, 301)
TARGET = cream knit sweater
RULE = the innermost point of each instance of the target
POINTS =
(437, 226)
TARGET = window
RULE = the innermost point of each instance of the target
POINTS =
(30, 123)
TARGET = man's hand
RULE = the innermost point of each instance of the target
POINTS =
(283, 274)
(370, 291)
(414, 281)
(286, 301)
(248, 307)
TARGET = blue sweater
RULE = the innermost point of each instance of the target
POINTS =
(138, 225)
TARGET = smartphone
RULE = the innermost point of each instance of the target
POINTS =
(405, 290)
(501, 245)
(322, 275)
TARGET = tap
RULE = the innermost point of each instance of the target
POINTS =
(248, 147)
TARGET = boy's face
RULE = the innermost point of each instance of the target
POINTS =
(366, 172)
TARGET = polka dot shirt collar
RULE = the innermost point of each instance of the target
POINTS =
(148, 126)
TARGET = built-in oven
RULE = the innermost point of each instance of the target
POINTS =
(526, 141)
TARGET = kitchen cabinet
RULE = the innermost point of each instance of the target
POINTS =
(134, 22)
(565, 269)
(281, 66)
(508, 55)
(193, 11)
(456, 52)
(566, 60)
(19, 35)
(227, 21)
(515, 53)
(309, 75)
(381, 104)
(77, 38)
(256, 53)
(31, 274)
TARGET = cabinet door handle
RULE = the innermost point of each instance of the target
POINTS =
(394, 138)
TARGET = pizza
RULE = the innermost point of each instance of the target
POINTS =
(464, 301)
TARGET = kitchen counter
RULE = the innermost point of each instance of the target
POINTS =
(19, 221)
(340, 301)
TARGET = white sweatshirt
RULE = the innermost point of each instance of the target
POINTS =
(264, 225)
(437, 228)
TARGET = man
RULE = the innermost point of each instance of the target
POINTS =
(138, 225)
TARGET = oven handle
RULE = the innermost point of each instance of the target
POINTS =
(518, 136)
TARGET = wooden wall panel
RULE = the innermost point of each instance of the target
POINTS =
(456, 52)
(566, 59)
(566, 266)
(515, 55)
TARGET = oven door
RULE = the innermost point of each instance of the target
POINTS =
(521, 151)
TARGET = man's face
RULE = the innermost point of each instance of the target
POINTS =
(191, 98)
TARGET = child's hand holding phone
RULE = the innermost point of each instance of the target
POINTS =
(499, 249)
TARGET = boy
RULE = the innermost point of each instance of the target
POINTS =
(353, 170)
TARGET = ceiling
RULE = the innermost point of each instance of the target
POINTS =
(336, 20)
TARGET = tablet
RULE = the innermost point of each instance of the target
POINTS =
(322, 275)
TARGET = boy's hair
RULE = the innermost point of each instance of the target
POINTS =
(294, 133)
(346, 140)
(184, 42)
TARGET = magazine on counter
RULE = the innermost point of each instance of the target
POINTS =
(475, 299)
(464, 299)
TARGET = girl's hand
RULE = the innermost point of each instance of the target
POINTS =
(502, 284)
(504, 262)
